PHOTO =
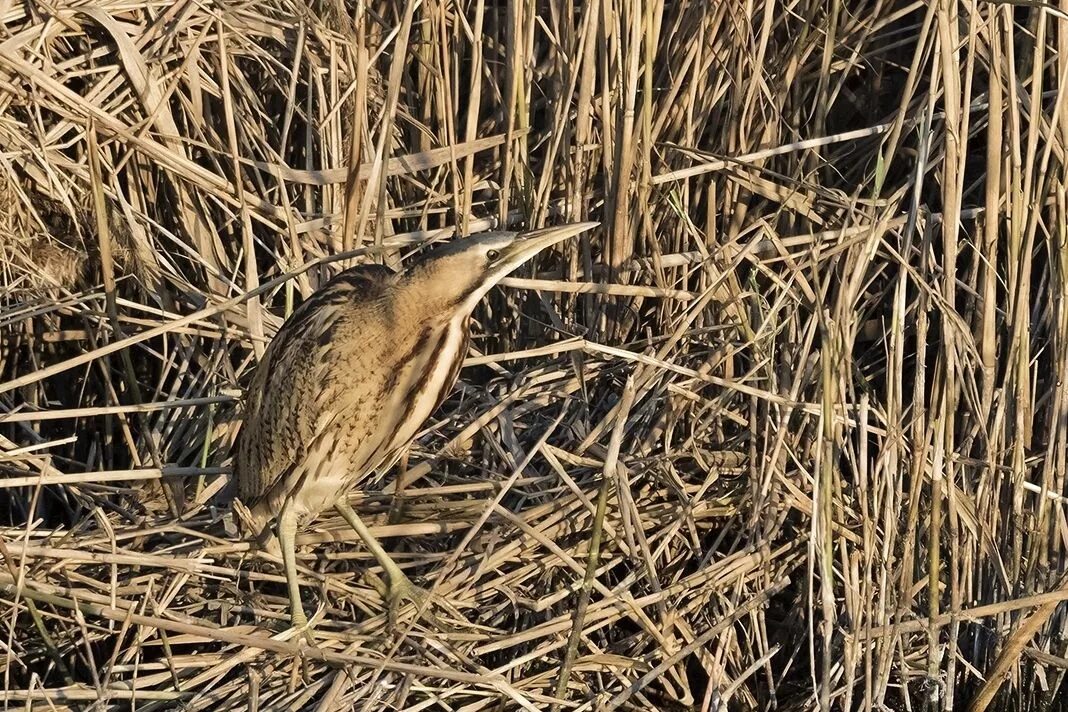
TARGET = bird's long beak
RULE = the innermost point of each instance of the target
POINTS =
(528, 244)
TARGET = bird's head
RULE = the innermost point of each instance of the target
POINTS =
(461, 272)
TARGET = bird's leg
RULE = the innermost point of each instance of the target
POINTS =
(400, 587)
(287, 535)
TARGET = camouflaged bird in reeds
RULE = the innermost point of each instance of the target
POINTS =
(316, 414)
(349, 379)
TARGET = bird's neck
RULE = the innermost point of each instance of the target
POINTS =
(418, 301)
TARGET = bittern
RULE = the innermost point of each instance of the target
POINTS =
(350, 377)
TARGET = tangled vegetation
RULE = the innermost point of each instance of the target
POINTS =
(787, 431)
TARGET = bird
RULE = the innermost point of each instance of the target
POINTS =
(349, 378)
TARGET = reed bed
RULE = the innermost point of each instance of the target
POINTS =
(788, 431)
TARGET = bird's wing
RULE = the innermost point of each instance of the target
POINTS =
(285, 409)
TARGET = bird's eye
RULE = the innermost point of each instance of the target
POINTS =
(492, 254)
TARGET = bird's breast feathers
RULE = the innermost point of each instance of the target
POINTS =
(360, 403)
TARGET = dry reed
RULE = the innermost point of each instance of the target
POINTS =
(787, 432)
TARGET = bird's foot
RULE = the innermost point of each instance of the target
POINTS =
(401, 590)
(303, 629)
(300, 627)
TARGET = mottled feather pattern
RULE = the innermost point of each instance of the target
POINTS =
(292, 382)
(357, 369)
(333, 406)
(348, 381)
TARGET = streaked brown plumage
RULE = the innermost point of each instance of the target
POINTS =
(351, 376)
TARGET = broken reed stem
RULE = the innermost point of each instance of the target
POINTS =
(593, 558)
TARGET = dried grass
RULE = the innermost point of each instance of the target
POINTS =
(788, 431)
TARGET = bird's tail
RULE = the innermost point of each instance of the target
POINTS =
(256, 525)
